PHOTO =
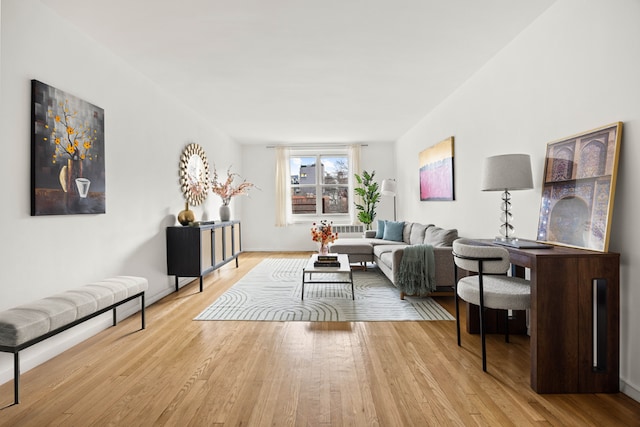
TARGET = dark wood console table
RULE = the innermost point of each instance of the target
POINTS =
(196, 251)
(574, 319)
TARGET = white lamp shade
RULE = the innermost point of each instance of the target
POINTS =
(388, 187)
(507, 172)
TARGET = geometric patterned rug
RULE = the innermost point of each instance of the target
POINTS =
(271, 291)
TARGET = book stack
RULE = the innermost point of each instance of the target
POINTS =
(327, 261)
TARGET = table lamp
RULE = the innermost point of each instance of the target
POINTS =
(506, 173)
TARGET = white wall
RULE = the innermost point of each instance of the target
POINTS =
(146, 131)
(574, 69)
(258, 217)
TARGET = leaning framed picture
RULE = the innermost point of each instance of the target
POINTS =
(67, 153)
(578, 189)
(436, 171)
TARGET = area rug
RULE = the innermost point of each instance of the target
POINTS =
(271, 291)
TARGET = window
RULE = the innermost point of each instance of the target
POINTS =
(319, 184)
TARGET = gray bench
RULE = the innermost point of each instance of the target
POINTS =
(26, 325)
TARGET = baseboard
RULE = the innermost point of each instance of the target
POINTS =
(629, 390)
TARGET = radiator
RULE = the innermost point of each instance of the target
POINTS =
(343, 230)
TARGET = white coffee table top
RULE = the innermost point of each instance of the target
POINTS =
(342, 258)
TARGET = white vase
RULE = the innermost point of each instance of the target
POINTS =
(323, 249)
(225, 213)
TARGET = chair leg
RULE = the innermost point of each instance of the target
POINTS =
(482, 338)
(506, 333)
(455, 291)
(482, 326)
(457, 318)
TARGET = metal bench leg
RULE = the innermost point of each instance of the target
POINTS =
(142, 310)
(16, 378)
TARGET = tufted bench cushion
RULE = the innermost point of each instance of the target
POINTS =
(21, 324)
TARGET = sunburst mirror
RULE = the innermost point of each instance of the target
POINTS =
(194, 174)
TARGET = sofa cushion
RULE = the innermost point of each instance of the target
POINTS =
(417, 233)
(385, 253)
(406, 231)
(353, 246)
(380, 229)
(387, 259)
(393, 230)
(436, 236)
(378, 250)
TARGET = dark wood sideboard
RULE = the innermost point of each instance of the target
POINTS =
(574, 318)
(194, 251)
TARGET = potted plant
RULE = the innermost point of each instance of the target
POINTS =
(367, 190)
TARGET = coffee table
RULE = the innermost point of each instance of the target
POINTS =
(342, 274)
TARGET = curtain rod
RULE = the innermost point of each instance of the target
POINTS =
(316, 145)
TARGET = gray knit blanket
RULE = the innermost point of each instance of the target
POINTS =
(416, 275)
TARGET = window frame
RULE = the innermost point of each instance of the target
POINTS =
(319, 187)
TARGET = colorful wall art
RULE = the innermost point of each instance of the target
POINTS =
(67, 153)
(436, 171)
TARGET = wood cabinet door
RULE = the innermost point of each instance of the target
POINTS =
(206, 258)
(218, 246)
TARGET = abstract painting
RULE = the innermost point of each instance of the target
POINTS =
(67, 153)
(578, 189)
(436, 171)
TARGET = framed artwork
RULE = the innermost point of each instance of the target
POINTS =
(67, 153)
(578, 188)
(436, 171)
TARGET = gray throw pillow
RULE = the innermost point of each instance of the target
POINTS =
(436, 236)
(406, 232)
(417, 233)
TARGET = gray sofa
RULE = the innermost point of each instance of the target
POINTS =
(387, 254)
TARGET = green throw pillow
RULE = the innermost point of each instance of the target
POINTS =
(380, 229)
(393, 230)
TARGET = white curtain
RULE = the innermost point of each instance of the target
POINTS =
(283, 177)
(354, 167)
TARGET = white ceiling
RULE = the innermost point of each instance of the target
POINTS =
(305, 70)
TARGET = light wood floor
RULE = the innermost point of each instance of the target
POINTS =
(183, 372)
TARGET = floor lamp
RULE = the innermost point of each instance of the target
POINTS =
(506, 173)
(389, 189)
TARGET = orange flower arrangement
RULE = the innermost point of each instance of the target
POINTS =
(323, 233)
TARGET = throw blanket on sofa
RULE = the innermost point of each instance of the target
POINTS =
(416, 275)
